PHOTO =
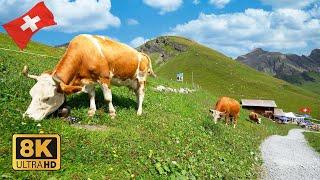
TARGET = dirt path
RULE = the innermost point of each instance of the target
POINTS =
(289, 157)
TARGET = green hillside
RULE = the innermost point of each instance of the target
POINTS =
(223, 76)
(313, 86)
(174, 138)
(313, 140)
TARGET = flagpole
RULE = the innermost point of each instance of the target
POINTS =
(192, 81)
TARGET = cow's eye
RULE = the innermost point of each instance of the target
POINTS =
(46, 99)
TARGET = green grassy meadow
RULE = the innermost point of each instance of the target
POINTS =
(174, 138)
(313, 140)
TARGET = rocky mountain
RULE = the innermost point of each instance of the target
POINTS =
(163, 48)
(289, 67)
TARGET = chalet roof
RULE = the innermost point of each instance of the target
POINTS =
(290, 115)
(279, 112)
(258, 103)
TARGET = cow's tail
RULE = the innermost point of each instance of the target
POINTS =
(150, 70)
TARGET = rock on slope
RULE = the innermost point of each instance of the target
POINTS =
(163, 47)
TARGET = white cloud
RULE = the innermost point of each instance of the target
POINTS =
(165, 6)
(196, 2)
(77, 16)
(219, 3)
(132, 22)
(287, 30)
(315, 11)
(295, 4)
(138, 41)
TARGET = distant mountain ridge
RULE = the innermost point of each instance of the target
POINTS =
(289, 67)
(65, 45)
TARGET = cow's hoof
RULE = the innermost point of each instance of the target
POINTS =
(91, 113)
(139, 113)
(112, 115)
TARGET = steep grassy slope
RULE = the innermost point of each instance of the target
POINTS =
(223, 76)
(313, 140)
(313, 86)
(175, 137)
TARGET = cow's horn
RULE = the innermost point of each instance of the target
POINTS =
(25, 72)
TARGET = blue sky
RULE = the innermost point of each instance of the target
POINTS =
(233, 27)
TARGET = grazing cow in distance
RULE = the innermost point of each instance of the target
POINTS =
(90, 60)
(228, 108)
(255, 117)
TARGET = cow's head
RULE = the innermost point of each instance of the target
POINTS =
(216, 115)
(259, 120)
(45, 96)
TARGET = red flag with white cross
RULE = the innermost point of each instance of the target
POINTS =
(305, 110)
(23, 28)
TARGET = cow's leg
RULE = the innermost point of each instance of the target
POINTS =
(235, 121)
(227, 119)
(89, 87)
(108, 97)
(140, 96)
(91, 91)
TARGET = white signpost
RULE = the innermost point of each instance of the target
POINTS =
(180, 77)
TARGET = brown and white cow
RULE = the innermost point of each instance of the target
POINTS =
(90, 60)
(228, 108)
(255, 117)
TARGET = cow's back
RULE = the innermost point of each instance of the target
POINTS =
(228, 105)
(103, 57)
(253, 116)
(123, 60)
(96, 58)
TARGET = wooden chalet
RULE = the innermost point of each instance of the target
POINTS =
(262, 107)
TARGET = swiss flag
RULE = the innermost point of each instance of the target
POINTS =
(23, 28)
(305, 110)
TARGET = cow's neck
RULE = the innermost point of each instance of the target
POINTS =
(66, 70)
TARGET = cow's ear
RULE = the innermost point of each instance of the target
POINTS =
(58, 81)
(59, 89)
(223, 113)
